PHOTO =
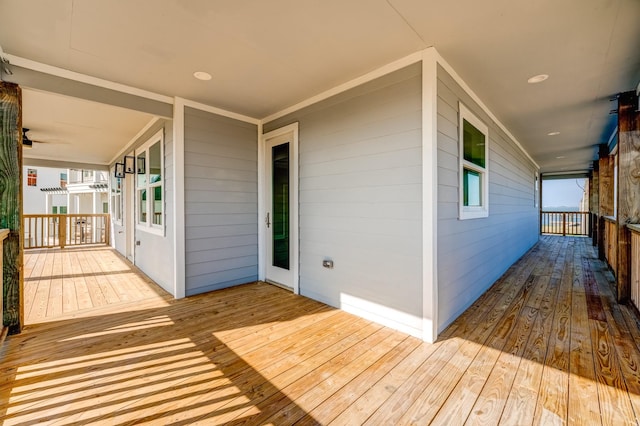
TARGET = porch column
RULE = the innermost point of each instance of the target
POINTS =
(593, 186)
(605, 196)
(11, 204)
(628, 186)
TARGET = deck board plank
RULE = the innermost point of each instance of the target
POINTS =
(104, 345)
(583, 392)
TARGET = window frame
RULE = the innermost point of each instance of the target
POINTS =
(149, 186)
(536, 189)
(472, 212)
(32, 177)
(115, 198)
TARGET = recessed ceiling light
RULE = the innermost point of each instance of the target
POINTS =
(201, 75)
(538, 78)
(553, 133)
(560, 156)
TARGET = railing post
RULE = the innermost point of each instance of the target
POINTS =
(107, 229)
(564, 224)
(62, 231)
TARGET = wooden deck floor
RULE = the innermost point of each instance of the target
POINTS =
(64, 282)
(546, 345)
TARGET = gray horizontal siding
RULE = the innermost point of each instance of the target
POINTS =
(154, 253)
(473, 253)
(221, 202)
(361, 197)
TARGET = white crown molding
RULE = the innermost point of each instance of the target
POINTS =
(449, 69)
(377, 73)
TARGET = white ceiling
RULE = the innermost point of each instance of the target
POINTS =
(75, 130)
(267, 55)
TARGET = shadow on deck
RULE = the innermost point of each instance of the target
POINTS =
(546, 344)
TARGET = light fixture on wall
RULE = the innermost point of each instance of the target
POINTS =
(119, 171)
(140, 166)
(129, 164)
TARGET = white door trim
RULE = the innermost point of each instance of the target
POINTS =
(129, 215)
(262, 207)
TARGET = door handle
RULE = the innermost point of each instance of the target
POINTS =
(266, 220)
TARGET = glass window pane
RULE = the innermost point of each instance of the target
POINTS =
(142, 206)
(280, 208)
(155, 163)
(472, 182)
(157, 205)
(142, 178)
(474, 143)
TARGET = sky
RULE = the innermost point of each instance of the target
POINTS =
(562, 192)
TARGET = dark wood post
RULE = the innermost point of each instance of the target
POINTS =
(605, 196)
(628, 185)
(594, 203)
(11, 204)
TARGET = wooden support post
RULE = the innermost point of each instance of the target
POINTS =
(628, 185)
(601, 238)
(605, 196)
(595, 206)
(11, 204)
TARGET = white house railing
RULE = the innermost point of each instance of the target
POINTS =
(60, 230)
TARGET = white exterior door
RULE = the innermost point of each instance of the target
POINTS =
(281, 207)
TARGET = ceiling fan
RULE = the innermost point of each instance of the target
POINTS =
(26, 142)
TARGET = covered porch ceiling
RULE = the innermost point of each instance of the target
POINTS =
(266, 56)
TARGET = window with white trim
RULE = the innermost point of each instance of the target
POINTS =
(474, 166)
(150, 185)
(116, 198)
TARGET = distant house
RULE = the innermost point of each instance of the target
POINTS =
(44, 190)
(61, 191)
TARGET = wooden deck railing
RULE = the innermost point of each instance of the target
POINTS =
(564, 223)
(60, 230)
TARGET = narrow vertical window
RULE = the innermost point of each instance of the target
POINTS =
(150, 185)
(63, 180)
(474, 149)
(116, 199)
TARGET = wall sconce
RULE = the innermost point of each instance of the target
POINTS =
(140, 165)
(119, 172)
(129, 164)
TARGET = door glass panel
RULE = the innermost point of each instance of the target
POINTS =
(142, 206)
(280, 208)
(155, 163)
(141, 170)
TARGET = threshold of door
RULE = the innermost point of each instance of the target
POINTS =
(282, 286)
